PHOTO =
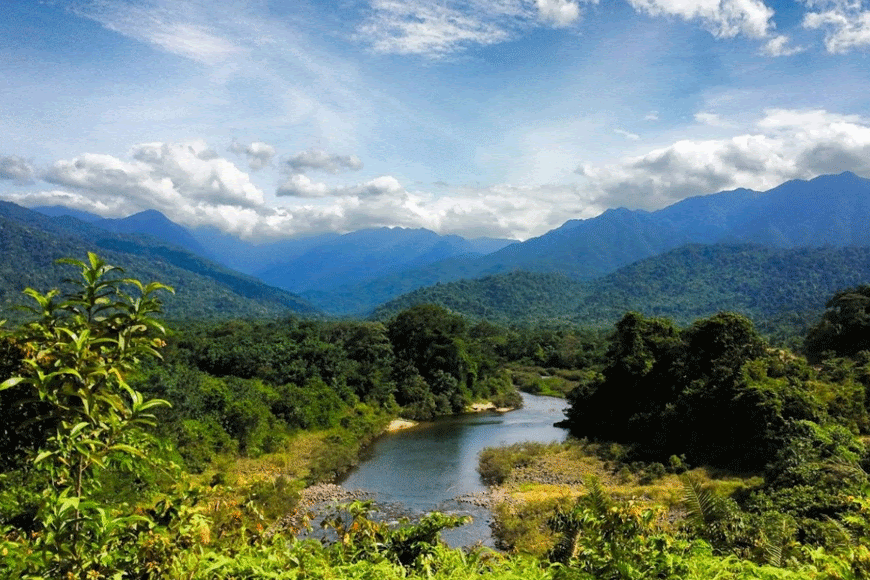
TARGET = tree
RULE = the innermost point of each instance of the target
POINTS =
(76, 354)
(844, 329)
(429, 340)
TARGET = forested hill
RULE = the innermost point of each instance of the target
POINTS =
(684, 284)
(31, 242)
(830, 210)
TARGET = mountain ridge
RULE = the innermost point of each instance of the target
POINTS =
(32, 242)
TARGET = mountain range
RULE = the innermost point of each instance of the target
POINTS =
(684, 284)
(830, 210)
(356, 272)
(31, 242)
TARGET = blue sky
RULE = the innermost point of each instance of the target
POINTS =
(483, 117)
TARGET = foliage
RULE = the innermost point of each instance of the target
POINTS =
(778, 288)
(496, 463)
(604, 540)
(843, 329)
(78, 351)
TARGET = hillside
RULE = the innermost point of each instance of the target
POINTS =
(684, 284)
(831, 210)
(31, 243)
(353, 273)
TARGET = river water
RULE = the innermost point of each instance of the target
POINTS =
(424, 468)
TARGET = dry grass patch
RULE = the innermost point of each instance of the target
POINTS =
(537, 479)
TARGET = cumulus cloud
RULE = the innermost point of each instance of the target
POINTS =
(786, 144)
(319, 160)
(723, 18)
(15, 168)
(187, 181)
(846, 23)
(651, 116)
(299, 185)
(780, 45)
(259, 154)
(559, 12)
(193, 186)
(384, 185)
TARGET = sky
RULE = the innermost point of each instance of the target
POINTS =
(502, 118)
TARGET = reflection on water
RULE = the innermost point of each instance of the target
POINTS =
(426, 467)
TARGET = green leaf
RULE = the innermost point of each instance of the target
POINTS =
(9, 383)
(127, 449)
(42, 456)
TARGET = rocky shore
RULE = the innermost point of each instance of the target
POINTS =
(312, 502)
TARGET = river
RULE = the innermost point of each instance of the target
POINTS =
(424, 468)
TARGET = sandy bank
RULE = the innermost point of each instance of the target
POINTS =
(399, 424)
(488, 406)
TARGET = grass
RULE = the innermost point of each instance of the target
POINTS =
(549, 382)
(535, 479)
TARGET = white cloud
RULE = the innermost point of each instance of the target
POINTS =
(780, 45)
(426, 28)
(160, 26)
(186, 181)
(713, 120)
(259, 154)
(651, 116)
(723, 18)
(320, 160)
(846, 23)
(193, 186)
(196, 172)
(435, 29)
(627, 134)
(787, 144)
(299, 185)
(15, 168)
(384, 185)
(559, 12)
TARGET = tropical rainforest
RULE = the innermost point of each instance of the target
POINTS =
(129, 443)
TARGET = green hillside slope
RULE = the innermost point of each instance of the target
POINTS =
(31, 243)
(687, 283)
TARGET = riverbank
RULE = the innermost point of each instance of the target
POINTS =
(529, 482)
(488, 406)
(400, 424)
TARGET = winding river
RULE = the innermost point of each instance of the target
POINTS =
(426, 467)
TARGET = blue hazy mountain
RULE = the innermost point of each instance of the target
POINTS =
(368, 254)
(59, 210)
(829, 210)
(154, 223)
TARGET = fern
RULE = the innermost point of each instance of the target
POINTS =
(597, 498)
(703, 506)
